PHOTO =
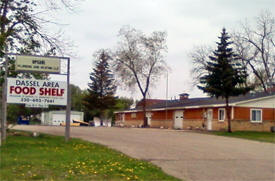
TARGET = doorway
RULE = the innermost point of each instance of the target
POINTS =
(178, 120)
(209, 119)
(149, 118)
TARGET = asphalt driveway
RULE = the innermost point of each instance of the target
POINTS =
(187, 155)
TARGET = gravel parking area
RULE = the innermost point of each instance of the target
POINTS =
(187, 155)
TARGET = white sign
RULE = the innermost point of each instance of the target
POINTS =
(37, 64)
(40, 92)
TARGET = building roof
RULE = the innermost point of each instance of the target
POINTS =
(205, 101)
(149, 102)
(202, 102)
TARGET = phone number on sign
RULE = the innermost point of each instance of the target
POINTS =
(37, 100)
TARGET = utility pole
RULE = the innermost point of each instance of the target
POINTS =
(166, 100)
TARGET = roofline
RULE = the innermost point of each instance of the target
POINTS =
(172, 108)
(199, 106)
(256, 99)
(126, 111)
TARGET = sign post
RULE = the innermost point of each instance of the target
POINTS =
(68, 108)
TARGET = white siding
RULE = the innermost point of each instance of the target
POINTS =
(263, 103)
(57, 119)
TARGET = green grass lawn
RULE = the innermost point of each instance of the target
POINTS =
(45, 157)
(251, 135)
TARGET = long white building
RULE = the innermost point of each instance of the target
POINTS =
(56, 118)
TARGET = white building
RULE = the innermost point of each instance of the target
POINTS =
(57, 118)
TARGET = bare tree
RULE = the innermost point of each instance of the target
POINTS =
(256, 48)
(199, 56)
(23, 27)
(139, 60)
(55, 5)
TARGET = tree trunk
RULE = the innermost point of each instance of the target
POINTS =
(145, 123)
(228, 115)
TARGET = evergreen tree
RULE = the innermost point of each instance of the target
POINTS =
(100, 97)
(225, 75)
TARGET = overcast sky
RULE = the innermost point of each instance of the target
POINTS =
(188, 23)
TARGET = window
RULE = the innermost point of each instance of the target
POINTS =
(133, 115)
(256, 115)
(221, 114)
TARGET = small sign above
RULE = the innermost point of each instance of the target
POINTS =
(41, 64)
